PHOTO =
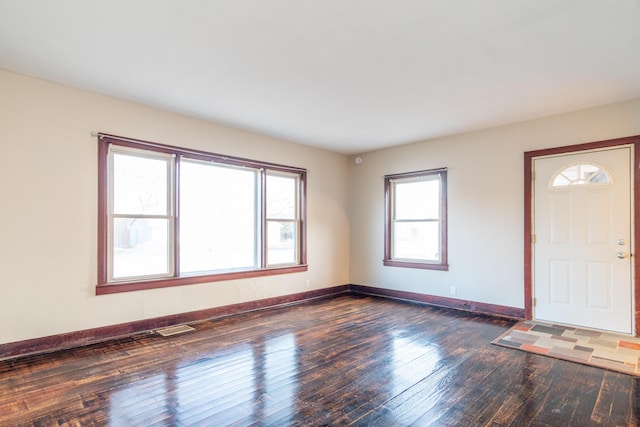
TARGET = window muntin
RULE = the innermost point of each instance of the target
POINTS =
(171, 216)
(415, 228)
(580, 174)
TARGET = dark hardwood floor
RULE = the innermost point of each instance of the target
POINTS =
(348, 360)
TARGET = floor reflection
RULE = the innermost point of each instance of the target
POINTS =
(409, 357)
(255, 381)
(280, 374)
(344, 361)
(128, 405)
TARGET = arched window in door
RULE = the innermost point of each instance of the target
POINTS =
(580, 174)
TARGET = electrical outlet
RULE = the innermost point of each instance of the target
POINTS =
(306, 283)
(453, 290)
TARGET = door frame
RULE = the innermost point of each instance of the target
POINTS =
(529, 157)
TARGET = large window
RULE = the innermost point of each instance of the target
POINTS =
(172, 216)
(416, 220)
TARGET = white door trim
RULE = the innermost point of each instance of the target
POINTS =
(529, 156)
(578, 279)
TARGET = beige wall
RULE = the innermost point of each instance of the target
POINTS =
(48, 198)
(48, 210)
(485, 198)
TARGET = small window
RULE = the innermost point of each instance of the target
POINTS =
(580, 174)
(283, 218)
(415, 226)
(140, 212)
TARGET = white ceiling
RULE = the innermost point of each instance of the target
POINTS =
(346, 75)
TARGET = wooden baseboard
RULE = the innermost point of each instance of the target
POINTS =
(472, 306)
(92, 336)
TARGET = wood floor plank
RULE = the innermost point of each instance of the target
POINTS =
(348, 360)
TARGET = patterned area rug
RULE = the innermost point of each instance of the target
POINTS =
(601, 349)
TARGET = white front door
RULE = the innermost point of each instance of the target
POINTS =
(582, 239)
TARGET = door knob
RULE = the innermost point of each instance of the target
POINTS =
(621, 255)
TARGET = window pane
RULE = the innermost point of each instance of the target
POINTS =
(281, 197)
(140, 185)
(599, 177)
(580, 174)
(140, 247)
(417, 199)
(416, 240)
(217, 218)
(281, 242)
(561, 181)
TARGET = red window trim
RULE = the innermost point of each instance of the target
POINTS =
(388, 217)
(105, 287)
(111, 288)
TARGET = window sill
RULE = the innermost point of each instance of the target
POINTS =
(419, 265)
(113, 288)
